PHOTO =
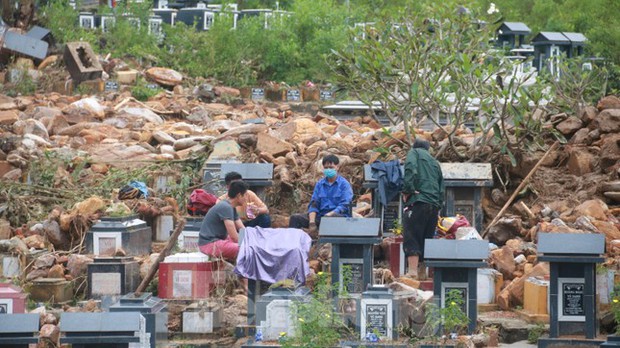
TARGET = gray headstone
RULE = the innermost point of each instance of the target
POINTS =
(19, 323)
(100, 322)
(249, 171)
(571, 243)
(349, 227)
(444, 249)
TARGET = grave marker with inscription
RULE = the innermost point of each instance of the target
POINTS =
(293, 95)
(352, 242)
(111, 86)
(456, 264)
(377, 313)
(258, 93)
(326, 95)
(572, 261)
(112, 276)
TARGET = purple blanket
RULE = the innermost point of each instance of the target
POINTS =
(274, 254)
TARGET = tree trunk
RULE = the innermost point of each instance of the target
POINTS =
(7, 12)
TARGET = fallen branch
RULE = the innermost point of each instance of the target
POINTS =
(132, 99)
(519, 189)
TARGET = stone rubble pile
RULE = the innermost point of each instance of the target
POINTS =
(576, 190)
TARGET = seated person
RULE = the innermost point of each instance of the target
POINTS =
(332, 196)
(219, 235)
(253, 212)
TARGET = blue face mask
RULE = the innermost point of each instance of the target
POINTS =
(329, 172)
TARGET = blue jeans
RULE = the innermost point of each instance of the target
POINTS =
(263, 220)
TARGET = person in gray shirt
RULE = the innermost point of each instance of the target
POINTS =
(219, 233)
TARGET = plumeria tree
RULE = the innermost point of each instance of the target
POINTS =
(439, 66)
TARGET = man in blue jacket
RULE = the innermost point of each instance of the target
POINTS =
(332, 196)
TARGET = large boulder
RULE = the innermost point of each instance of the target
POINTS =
(512, 295)
(504, 230)
(608, 121)
(609, 102)
(299, 130)
(31, 126)
(594, 208)
(7, 103)
(503, 261)
(610, 151)
(164, 76)
(569, 126)
(272, 145)
(8, 117)
(78, 265)
(581, 161)
(588, 114)
(581, 137)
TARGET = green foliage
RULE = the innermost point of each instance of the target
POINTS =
(451, 318)
(141, 92)
(318, 323)
(62, 20)
(25, 85)
(534, 333)
(297, 48)
(577, 87)
(615, 307)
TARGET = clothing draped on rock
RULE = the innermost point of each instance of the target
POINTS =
(274, 254)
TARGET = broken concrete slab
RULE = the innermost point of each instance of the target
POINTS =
(81, 62)
(24, 45)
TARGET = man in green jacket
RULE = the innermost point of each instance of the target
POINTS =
(423, 194)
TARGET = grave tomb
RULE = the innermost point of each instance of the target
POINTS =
(352, 242)
(154, 312)
(103, 330)
(19, 330)
(112, 277)
(377, 313)
(189, 275)
(23, 45)
(258, 94)
(168, 15)
(199, 17)
(10, 266)
(274, 311)
(293, 95)
(105, 22)
(258, 176)
(155, 25)
(456, 264)
(201, 319)
(212, 175)
(162, 227)
(109, 234)
(53, 290)
(12, 299)
(612, 341)
(265, 14)
(464, 184)
(572, 261)
(81, 61)
(86, 20)
(188, 239)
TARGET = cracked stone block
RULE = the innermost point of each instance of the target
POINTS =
(81, 62)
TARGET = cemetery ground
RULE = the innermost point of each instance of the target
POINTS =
(65, 156)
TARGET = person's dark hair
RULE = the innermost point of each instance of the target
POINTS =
(237, 187)
(232, 176)
(331, 159)
(421, 144)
